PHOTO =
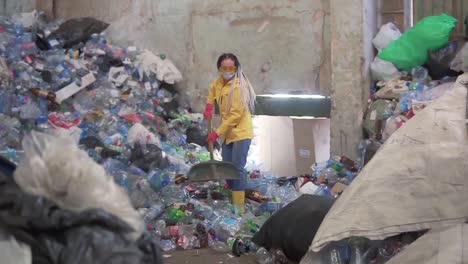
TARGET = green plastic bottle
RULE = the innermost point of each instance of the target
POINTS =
(253, 227)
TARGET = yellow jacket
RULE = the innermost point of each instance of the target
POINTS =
(236, 124)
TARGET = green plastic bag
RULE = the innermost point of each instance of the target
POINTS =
(410, 50)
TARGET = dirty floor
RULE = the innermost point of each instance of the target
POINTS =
(206, 256)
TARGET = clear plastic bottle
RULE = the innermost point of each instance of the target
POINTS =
(420, 74)
(331, 175)
(44, 112)
(264, 257)
(29, 111)
(159, 227)
(153, 212)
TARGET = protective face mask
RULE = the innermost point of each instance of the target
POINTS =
(228, 76)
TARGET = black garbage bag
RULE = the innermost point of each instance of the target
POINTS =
(170, 108)
(42, 43)
(439, 62)
(78, 30)
(293, 228)
(148, 157)
(283, 181)
(61, 236)
(195, 135)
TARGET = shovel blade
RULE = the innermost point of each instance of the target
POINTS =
(213, 171)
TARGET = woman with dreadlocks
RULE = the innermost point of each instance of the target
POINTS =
(235, 97)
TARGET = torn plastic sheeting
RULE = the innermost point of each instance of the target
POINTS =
(165, 70)
(57, 169)
(401, 189)
(73, 132)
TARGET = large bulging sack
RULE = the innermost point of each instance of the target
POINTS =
(76, 31)
(293, 228)
(49, 234)
(410, 50)
(440, 245)
(439, 61)
(57, 169)
(416, 181)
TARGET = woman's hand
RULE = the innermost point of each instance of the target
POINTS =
(208, 111)
(212, 137)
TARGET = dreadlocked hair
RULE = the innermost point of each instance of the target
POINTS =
(247, 93)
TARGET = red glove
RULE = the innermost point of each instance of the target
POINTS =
(208, 111)
(212, 137)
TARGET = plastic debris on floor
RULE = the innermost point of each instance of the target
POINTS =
(119, 104)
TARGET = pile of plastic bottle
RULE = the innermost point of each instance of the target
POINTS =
(134, 124)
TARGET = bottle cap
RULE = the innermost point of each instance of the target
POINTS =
(42, 119)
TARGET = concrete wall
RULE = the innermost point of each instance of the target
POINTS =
(350, 86)
(16, 6)
(283, 45)
(314, 46)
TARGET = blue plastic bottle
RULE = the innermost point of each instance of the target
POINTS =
(43, 117)
(158, 179)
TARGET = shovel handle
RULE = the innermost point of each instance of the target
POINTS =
(210, 143)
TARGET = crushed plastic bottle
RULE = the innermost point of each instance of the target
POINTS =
(118, 170)
(30, 111)
(420, 74)
(167, 245)
(153, 212)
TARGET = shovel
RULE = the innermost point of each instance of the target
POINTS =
(213, 170)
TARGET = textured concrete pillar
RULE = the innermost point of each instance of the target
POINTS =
(348, 90)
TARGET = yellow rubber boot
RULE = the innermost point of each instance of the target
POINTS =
(238, 199)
